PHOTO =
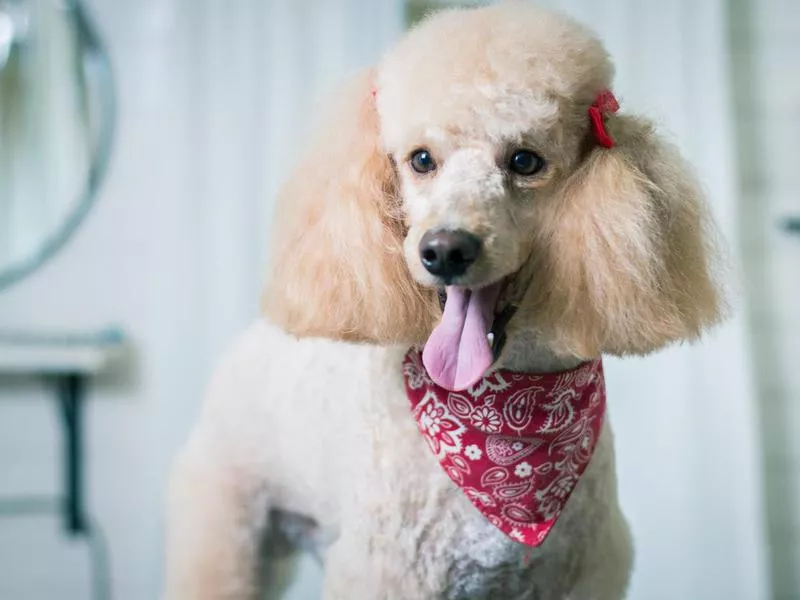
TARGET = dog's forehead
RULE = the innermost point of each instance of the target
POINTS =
(504, 69)
(484, 112)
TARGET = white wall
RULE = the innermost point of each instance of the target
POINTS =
(211, 95)
(766, 45)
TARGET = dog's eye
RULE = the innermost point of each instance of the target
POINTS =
(422, 161)
(525, 162)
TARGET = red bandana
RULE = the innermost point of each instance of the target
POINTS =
(515, 444)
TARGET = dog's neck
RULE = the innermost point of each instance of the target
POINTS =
(524, 352)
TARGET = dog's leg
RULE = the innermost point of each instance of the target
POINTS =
(380, 565)
(608, 570)
(358, 568)
(216, 521)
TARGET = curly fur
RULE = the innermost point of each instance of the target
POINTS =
(606, 251)
(341, 238)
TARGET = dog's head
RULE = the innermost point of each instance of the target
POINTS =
(467, 161)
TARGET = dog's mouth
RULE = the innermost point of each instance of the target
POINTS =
(470, 336)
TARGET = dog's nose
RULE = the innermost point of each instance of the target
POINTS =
(448, 253)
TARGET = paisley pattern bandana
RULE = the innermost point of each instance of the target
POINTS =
(515, 444)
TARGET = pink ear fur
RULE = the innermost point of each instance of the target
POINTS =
(337, 267)
(624, 258)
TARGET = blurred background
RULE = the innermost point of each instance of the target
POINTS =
(141, 145)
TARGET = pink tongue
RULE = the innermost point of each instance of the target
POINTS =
(458, 353)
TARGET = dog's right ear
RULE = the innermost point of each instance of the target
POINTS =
(627, 258)
(337, 268)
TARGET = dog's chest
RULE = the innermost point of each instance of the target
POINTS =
(415, 521)
(454, 545)
(485, 564)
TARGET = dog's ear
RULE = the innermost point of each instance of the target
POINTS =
(337, 268)
(626, 254)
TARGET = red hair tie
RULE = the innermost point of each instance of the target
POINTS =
(604, 103)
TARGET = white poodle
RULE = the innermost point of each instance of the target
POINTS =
(475, 228)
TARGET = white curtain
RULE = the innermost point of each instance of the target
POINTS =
(258, 70)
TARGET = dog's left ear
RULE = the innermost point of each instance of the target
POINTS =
(337, 267)
(626, 254)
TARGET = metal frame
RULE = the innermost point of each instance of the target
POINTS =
(94, 48)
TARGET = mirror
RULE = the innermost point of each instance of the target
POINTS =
(56, 121)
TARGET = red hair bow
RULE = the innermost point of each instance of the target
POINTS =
(604, 103)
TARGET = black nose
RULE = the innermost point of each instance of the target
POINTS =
(448, 253)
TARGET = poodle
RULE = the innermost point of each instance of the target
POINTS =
(474, 226)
